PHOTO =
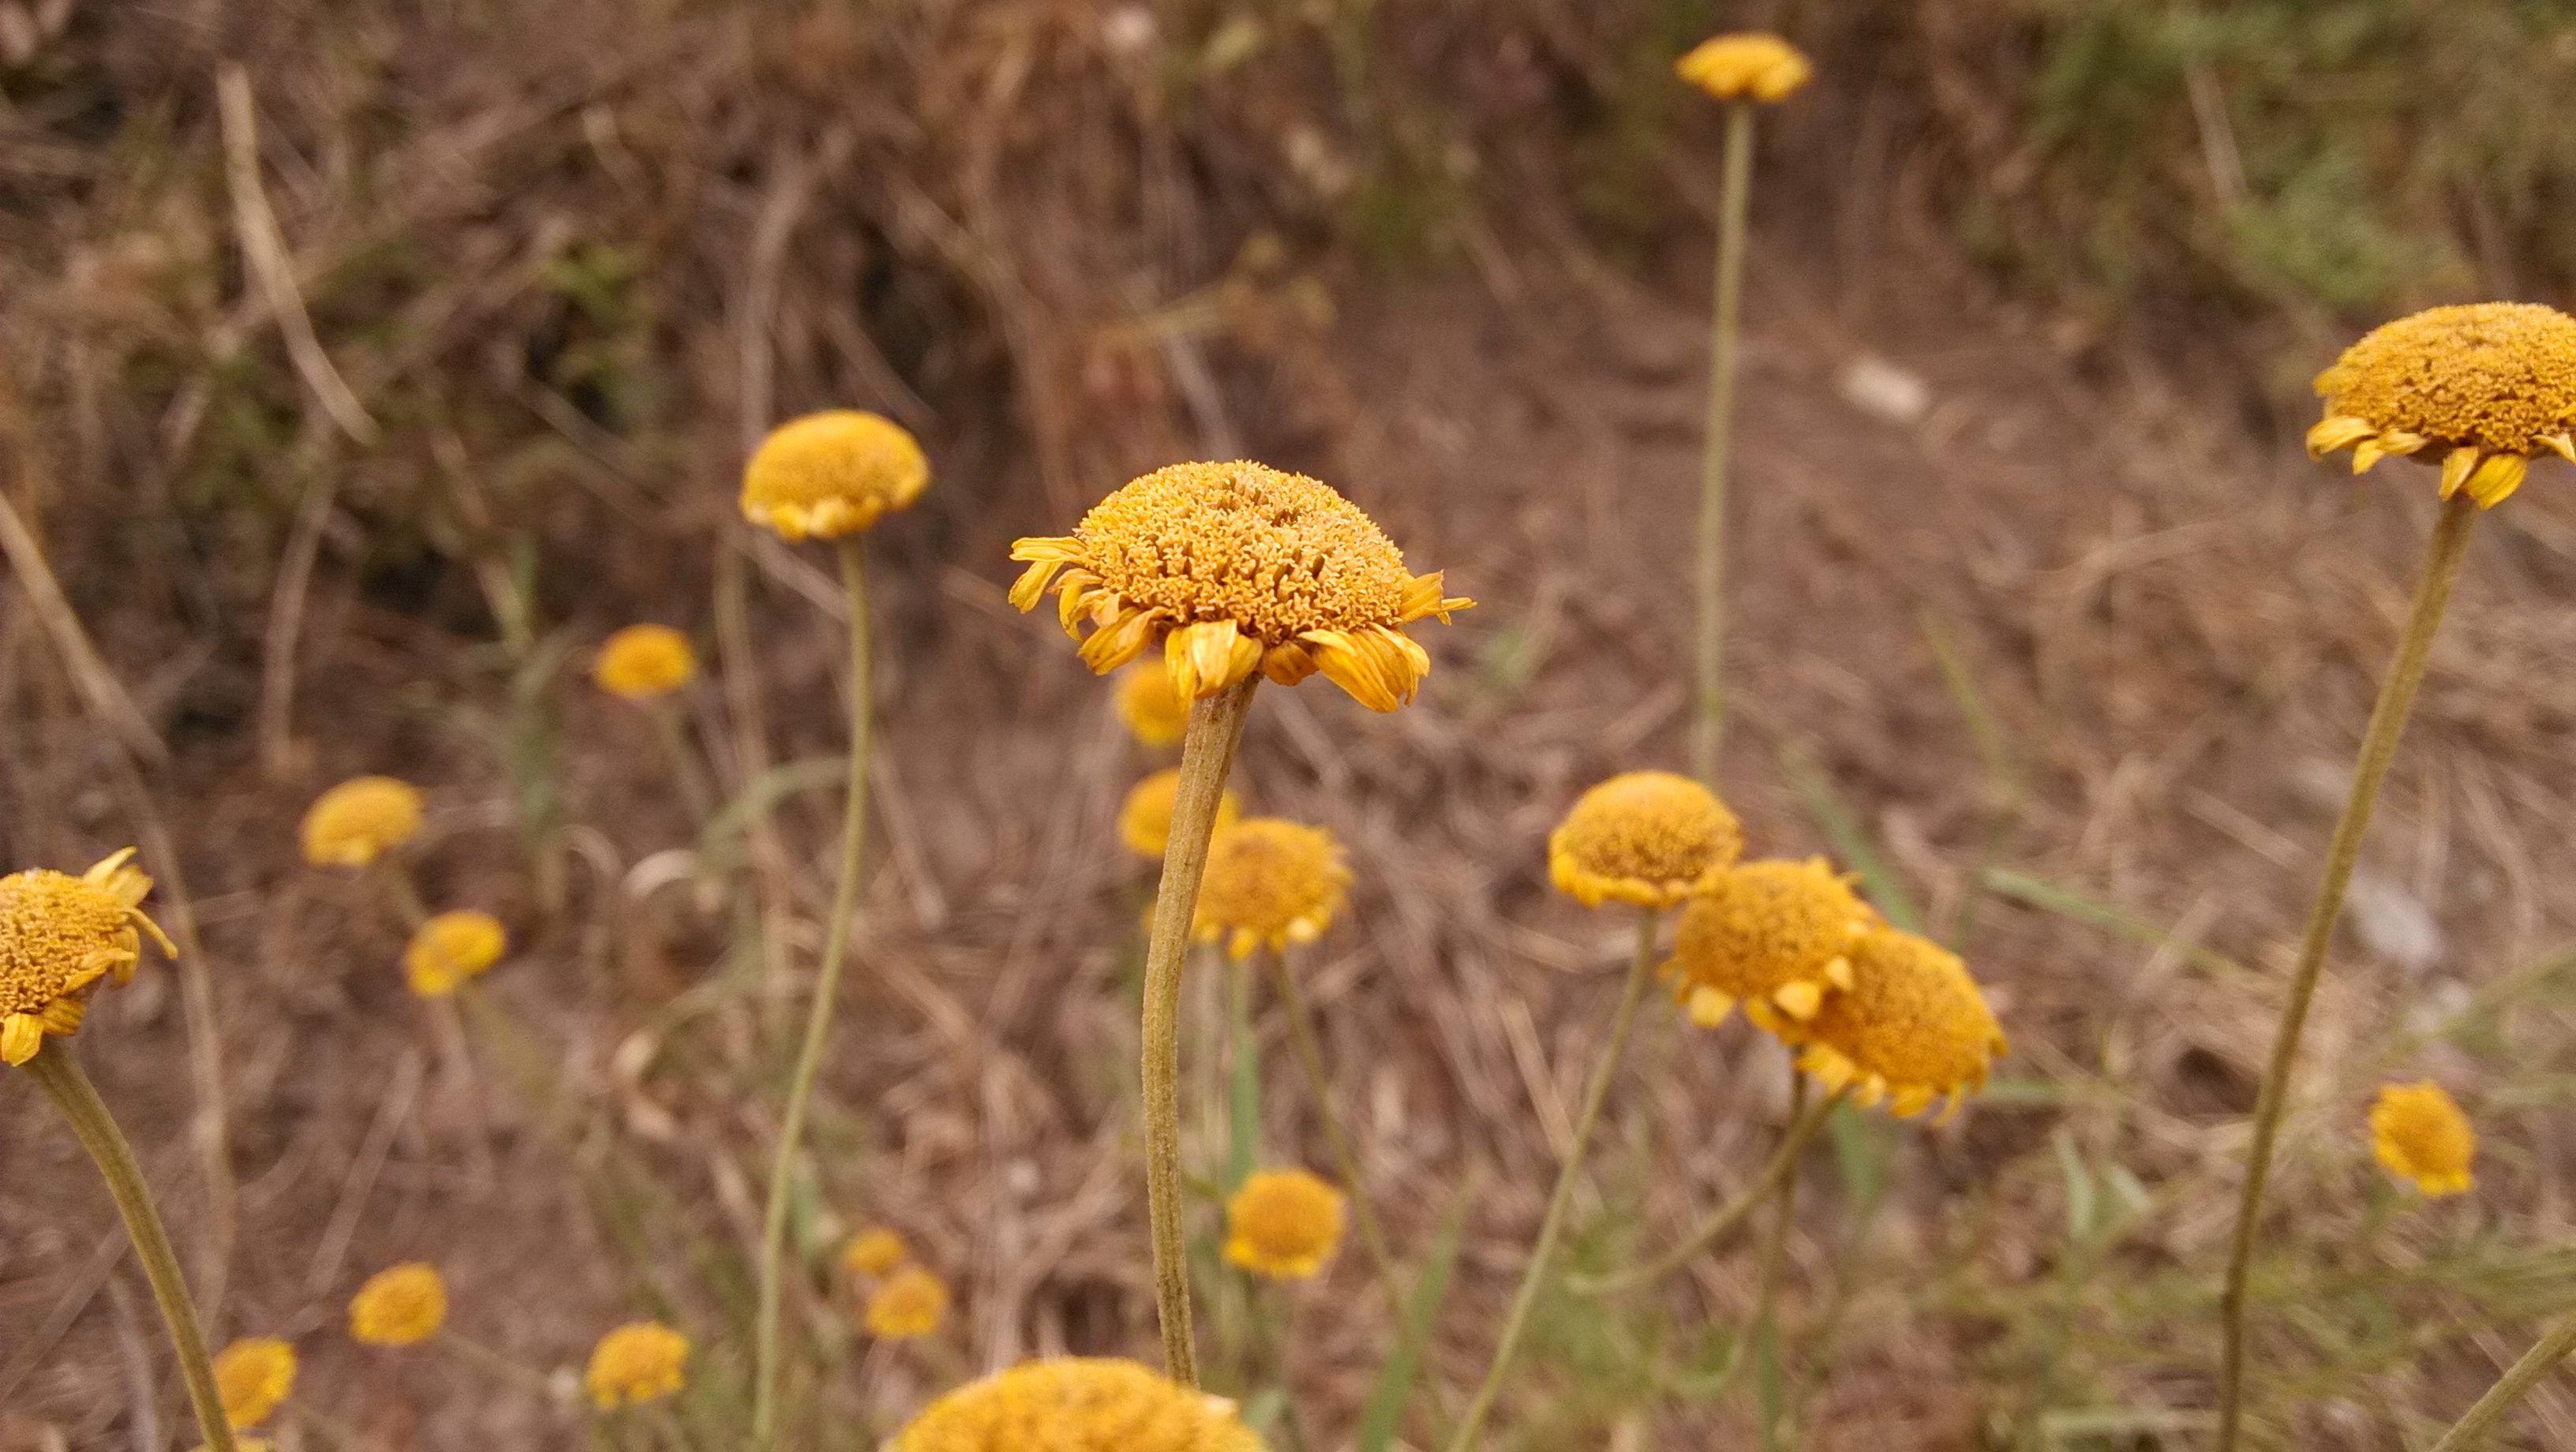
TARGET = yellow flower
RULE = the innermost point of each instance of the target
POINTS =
(641, 662)
(2489, 385)
(1145, 821)
(1749, 66)
(912, 1302)
(1646, 837)
(2419, 1134)
(1271, 881)
(451, 948)
(60, 934)
(401, 1305)
(1771, 935)
(873, 1252)
(252, 1377)
(1146, 703)
(359, 821)
(1283, 1224)
(1911, 1028)
(830, 474)
(1237, 567)
(642, 1361)
(1076, 1405)
(245, 1444)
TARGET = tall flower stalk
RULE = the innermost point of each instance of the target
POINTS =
(2482, 388)
(1741, 71)
(828, 476)
(1240, 572)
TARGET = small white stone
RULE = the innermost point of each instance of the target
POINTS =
(1883, 390)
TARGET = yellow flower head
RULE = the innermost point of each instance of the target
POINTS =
(59, 934)
(1145, 822)
(911, 1303)
(253, 1377)
(2419, 1134)
(1237, 567)
(873, 1252)
(401, 1305)
(1271, 881)
(642, 1361)
(450, 948)
(1076, 1405)
(641, 662)
(1748, 66)
(359, 821)
(1283, 1224)
(2488, 385)
(1647, 837)
(1910, 1028)
(1146, 703)
(1772, 936)
(830, 474)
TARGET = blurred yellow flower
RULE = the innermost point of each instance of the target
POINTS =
(1770, 935)
(245, 1444)
(1747, 66)
(1269, 881)
(642, 1361)
(873, 1252)
(1235, 568)
(1145, 820)
(1076, 1405)
(2419, 1134)
(911, 1303)
(1651, 838)
(1283, 1224)
(2490, 385)
(360, 820)
(641, 662)
(1911, 1027)
(832, 473)
(401, 1305)
(253, 1377)
(60, 934)
(451, 948)
(1146, 703)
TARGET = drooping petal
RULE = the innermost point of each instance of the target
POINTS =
(1032, 583)
(1347, 663)
(21, 1035)
(63, 1016)
(2496, 477)
(2456, 466)
(2338, 433)
(2560, 444)
(1288, 664)
(1113, 646)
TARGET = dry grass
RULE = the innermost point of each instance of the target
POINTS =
(568, 267)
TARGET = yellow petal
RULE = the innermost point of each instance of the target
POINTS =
(1113, 646)
(2398, 441)
(1031, 585)
(1707, 1007)
(2456, 466)
(21, 1035)
(2365, 454)
(63, 1016)
(2561, 445)
(2337, 433)
(1799, 1000)
(2496, 477)
(1912, 1100)
(1347, 664)
(1839, 973)
(1288, 664)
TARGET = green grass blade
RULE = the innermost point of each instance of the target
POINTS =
(2050, 898)
(1243, 1086)
(1850, 842)
(1395, 1379)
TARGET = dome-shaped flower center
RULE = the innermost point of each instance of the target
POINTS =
(642, 1361)
(359, 820)
(1283, 1223)
(2418, 1131)
(912, 1302)
(644, 661)
(57, 934)
(1912, 1023)
(1077, 1405)
(832, 473)
(1749, 66)
(1646, 837)
(1273, 878)
(2499, 376)
(400, 1306)
(1770, 933)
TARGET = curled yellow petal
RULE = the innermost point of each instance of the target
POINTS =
(21, 1035)
(2496, 477)
(2456, 466)
(2338, 433)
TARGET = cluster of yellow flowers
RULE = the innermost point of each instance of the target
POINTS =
(905, 1301)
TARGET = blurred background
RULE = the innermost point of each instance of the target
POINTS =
(362, 364)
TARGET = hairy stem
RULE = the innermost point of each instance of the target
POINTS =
(1533, 1278)
(818, 1018)
(1708, 721)
(1775, 1241)
(2520, 1378)
(2370, 771)
(59, 1074)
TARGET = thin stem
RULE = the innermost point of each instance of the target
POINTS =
(1775, 1243)
(1346, 1163)
(2510, 1388)
(1207, 758)
(2442, 559)
(59, 1074)
(492, 1363)
(1781, 1168)
(1534, 1276)
(818, 1017)
(695, 792)
(1708, 724)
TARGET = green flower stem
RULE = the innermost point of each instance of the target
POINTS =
(1534, 1277)
(1781, 1170)
(1346, 1163)
(1775, 1241)
(1207, 758)
(1708, 722)
(2539, 1361)
(818, 1018)
(492, 1363)
(59, 1075)
(695, 791)
(2442, 559)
